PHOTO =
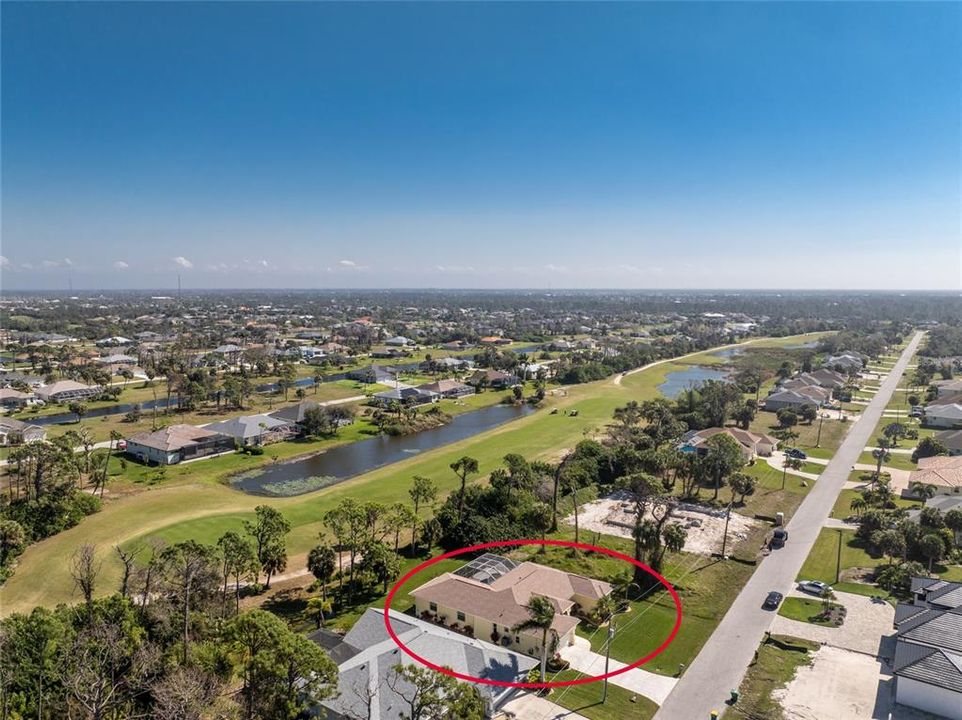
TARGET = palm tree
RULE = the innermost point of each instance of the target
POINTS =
(605, 609)
(881, 455)
(541, 613)
(858, 504)
(319, 607)
(922, 490)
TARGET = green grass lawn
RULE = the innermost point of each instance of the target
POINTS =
(899, 461)
(832, 432)
(773, 668)
(804, 610)
(585, 700)
(842, 508)
(821, 561)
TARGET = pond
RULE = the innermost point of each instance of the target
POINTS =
(729, 353)
(680, 380)
(345, 461)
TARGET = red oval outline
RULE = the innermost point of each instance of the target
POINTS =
(528, 685)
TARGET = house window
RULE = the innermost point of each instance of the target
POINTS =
(433, 606)
(517, 639)
(461, 616)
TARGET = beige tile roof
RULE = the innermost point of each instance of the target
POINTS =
(173, 437)
(941, 471)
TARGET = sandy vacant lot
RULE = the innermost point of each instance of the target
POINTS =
(612, 516)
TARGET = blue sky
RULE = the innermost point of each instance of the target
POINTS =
(481, 145)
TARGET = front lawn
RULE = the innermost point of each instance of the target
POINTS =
(586, 700)
(821, 561)
(775, 664)
(805, 610)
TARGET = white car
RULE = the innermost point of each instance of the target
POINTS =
(815, 587)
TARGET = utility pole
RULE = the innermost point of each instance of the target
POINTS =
(611, 636)
(818, 438)
(838, 557)
(784, 469)
(728, 516)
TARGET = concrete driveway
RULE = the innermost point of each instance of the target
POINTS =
(652, 686)
(528, 706)
(866, 624)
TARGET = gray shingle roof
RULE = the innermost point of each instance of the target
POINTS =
(936, 628)
(931, 665)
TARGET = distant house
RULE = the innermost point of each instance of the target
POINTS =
(752, 444)
(948, 387)
(254, 429)
(310, 353)
(367, 686)
(531, 371)
(489, 595)
(67, 391)
(294, 414)
(408, 396)
(374, 374)
(177, 443)
(15, 378)
(493, 379)
(397, 341)
(447, 388)
(820, 378)
(792, 399)
(447, 363)
(389, 353)
(11, 399)
(495, 340)
(942, 472)
(116, 359)
(456, 345)
(952, 439)
(928, 648)
(561, 345)
(15, 432)
(845, 362)
(943, 416)
(114, 341)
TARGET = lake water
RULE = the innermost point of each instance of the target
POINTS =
(729, 353)
(346, 461)
(680, 380)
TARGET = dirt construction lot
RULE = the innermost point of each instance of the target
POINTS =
(612, 516)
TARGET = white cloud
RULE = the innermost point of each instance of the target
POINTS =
(50, 263)
(27, 266)
(4, 262)
(555, 268)
(454, 268)
(120, 265)
(183, 262)
(347, 263)
(68, 262)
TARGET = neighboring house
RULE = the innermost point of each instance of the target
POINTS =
(254, 429)
(177, 443)
(294, 414)
(948, 387)
(373, 374)
(495, 340)
(943, 416)
(561, 345)
(456, 345)
(752, 444)
(928, 648)
(846, 362)
(15, 378)
(11, 399)
(820, 378)
(15, 432)
(447, 363)
(310, 353)
(952, 439)
(793, 399)
(408, 396)
(943, 472)
(532, 371)
(116, 359)
(493, 379)
(398, 341)
(447, 388)
(368, 686)
(67, 391)
(942, 503)
(390, 353)
(489, 595)
(115, 341)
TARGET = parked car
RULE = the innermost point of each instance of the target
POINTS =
(773, 600)
(916, 412)
(815, 587)
(779, 537)
(797, 454)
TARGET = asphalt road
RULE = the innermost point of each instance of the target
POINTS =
(723, 661)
